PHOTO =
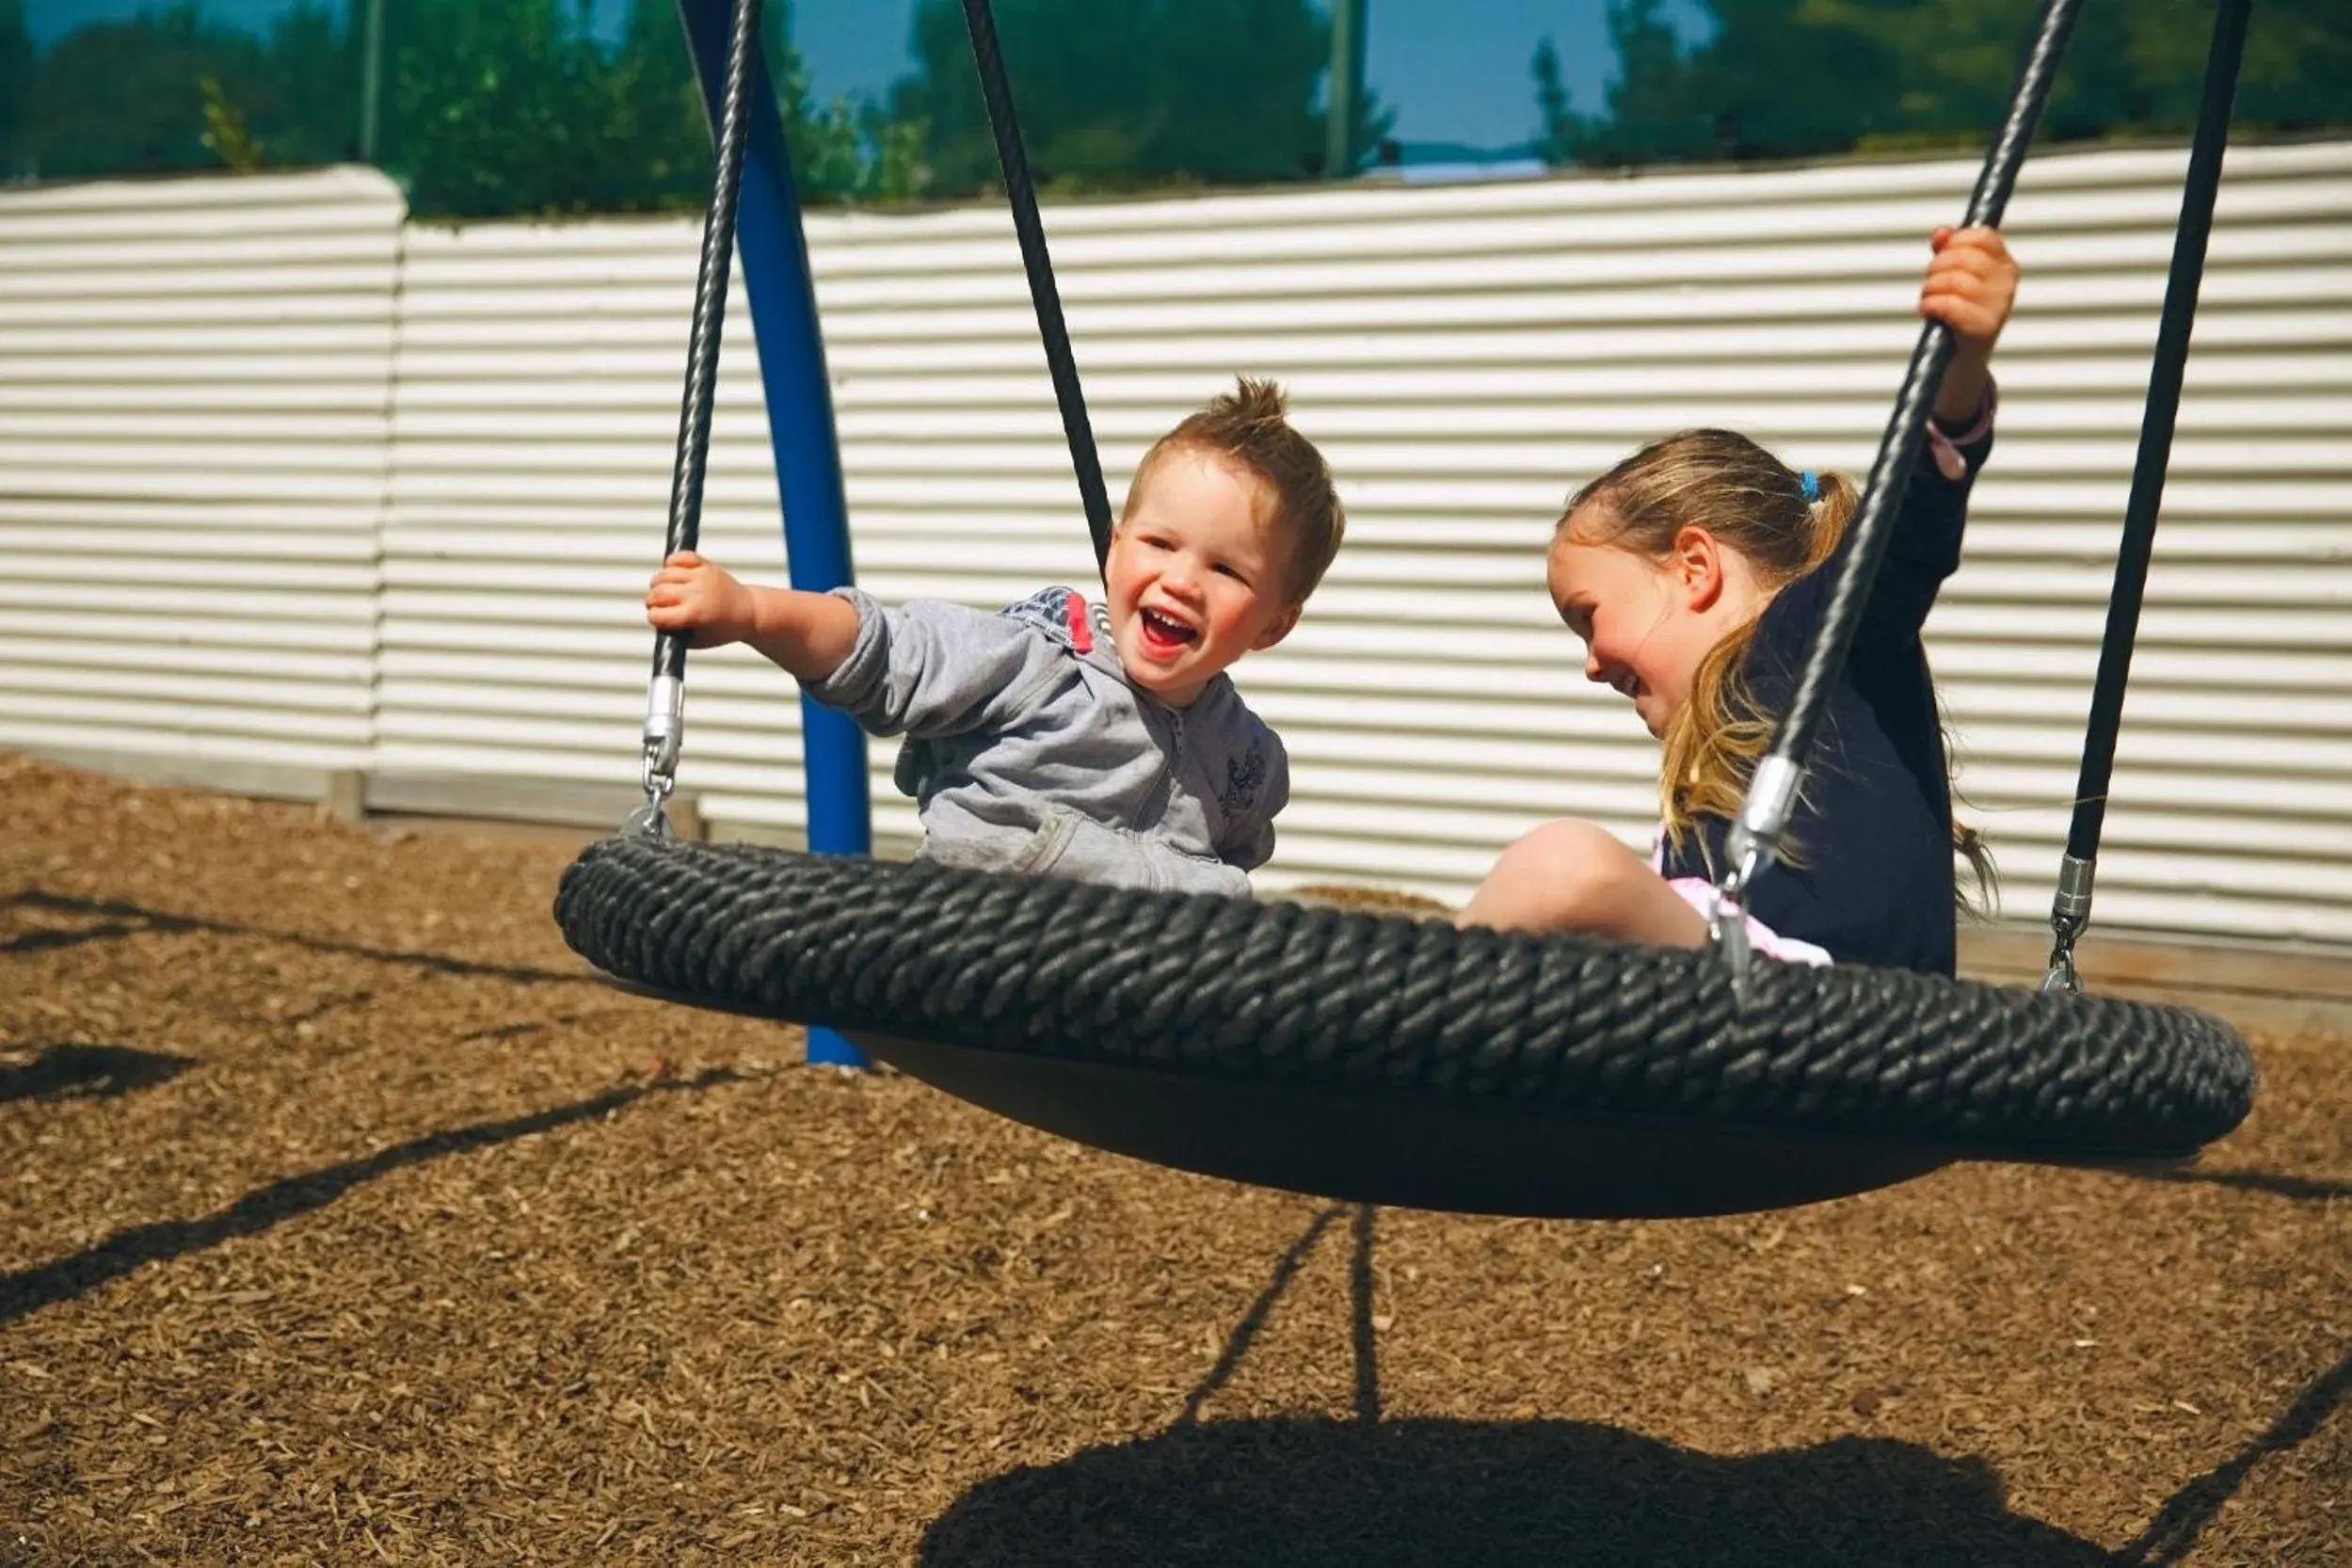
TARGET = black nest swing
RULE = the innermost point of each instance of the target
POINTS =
(1388, 1060)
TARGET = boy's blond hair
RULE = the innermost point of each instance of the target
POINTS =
(1247, 426)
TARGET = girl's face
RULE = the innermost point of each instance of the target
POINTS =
(1647, 622)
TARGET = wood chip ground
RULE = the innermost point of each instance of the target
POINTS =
(343, 1217)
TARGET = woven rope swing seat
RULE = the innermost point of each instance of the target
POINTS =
(1387, 1059)
(1397, 1061)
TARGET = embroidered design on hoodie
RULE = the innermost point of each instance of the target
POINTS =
(1062, 613)
(1244, 777)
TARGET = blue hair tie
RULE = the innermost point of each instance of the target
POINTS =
(1809, 484)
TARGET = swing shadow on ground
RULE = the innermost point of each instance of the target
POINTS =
(2276, 1184)
(79, 1070)
(27, 1290)
(2183, 1517)
(112, 919)
(1298, 1492)
(1301, 1491)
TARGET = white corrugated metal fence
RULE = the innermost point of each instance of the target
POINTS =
(194, 422)
(1464, 354)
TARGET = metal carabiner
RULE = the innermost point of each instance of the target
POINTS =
(1727, 916)
(651, 821)
(2062, 974)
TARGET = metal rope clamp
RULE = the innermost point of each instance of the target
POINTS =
(2070, 912)
(1748, 847)
(1727, 922)
(664, 732)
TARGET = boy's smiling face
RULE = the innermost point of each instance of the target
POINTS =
(1196, 577)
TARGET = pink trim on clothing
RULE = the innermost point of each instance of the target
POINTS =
(1948, 458)
(1697, 892)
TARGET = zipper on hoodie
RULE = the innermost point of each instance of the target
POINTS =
(1164, 788)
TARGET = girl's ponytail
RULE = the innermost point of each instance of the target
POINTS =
(1837, 497)
(1969, 844)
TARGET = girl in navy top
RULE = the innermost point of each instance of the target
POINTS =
(1696, 572)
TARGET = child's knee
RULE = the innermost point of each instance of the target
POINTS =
(1585, 863)
(1568, 872)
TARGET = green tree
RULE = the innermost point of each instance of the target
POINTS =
(226, 131)
(1146, 93)
(115, 96)
(840, 151)
(309, 110)
(836, 147)
(1655, 110)
(493, 108)
(1782, 78)
(17, 64)
(1559, 129)
(2129, 70)
(2299, 56)
(656, 108)
(519, 108)
(123, 95)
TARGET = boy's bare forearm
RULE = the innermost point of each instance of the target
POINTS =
(806, 634)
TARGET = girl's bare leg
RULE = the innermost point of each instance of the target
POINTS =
(1574, 875)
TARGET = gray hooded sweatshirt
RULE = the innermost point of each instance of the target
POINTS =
(1028, 751)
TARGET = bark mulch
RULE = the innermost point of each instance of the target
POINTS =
(345, 1217)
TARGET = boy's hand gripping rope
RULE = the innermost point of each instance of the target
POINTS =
(665, 693)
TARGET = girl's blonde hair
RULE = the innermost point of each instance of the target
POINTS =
(1722, 482)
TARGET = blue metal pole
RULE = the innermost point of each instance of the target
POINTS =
(800, 427)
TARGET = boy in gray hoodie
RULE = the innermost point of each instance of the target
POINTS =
(1103, 743)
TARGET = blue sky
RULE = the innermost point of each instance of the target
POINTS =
(1456, 70)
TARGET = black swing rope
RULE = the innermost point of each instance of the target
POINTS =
(2071, 910)
(1756, 834)
(1021, 194)
(664, 723)
(1104, 1006)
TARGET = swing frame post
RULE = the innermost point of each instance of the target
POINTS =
(801, 430)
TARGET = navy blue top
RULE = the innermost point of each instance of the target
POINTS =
(1872, 831)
